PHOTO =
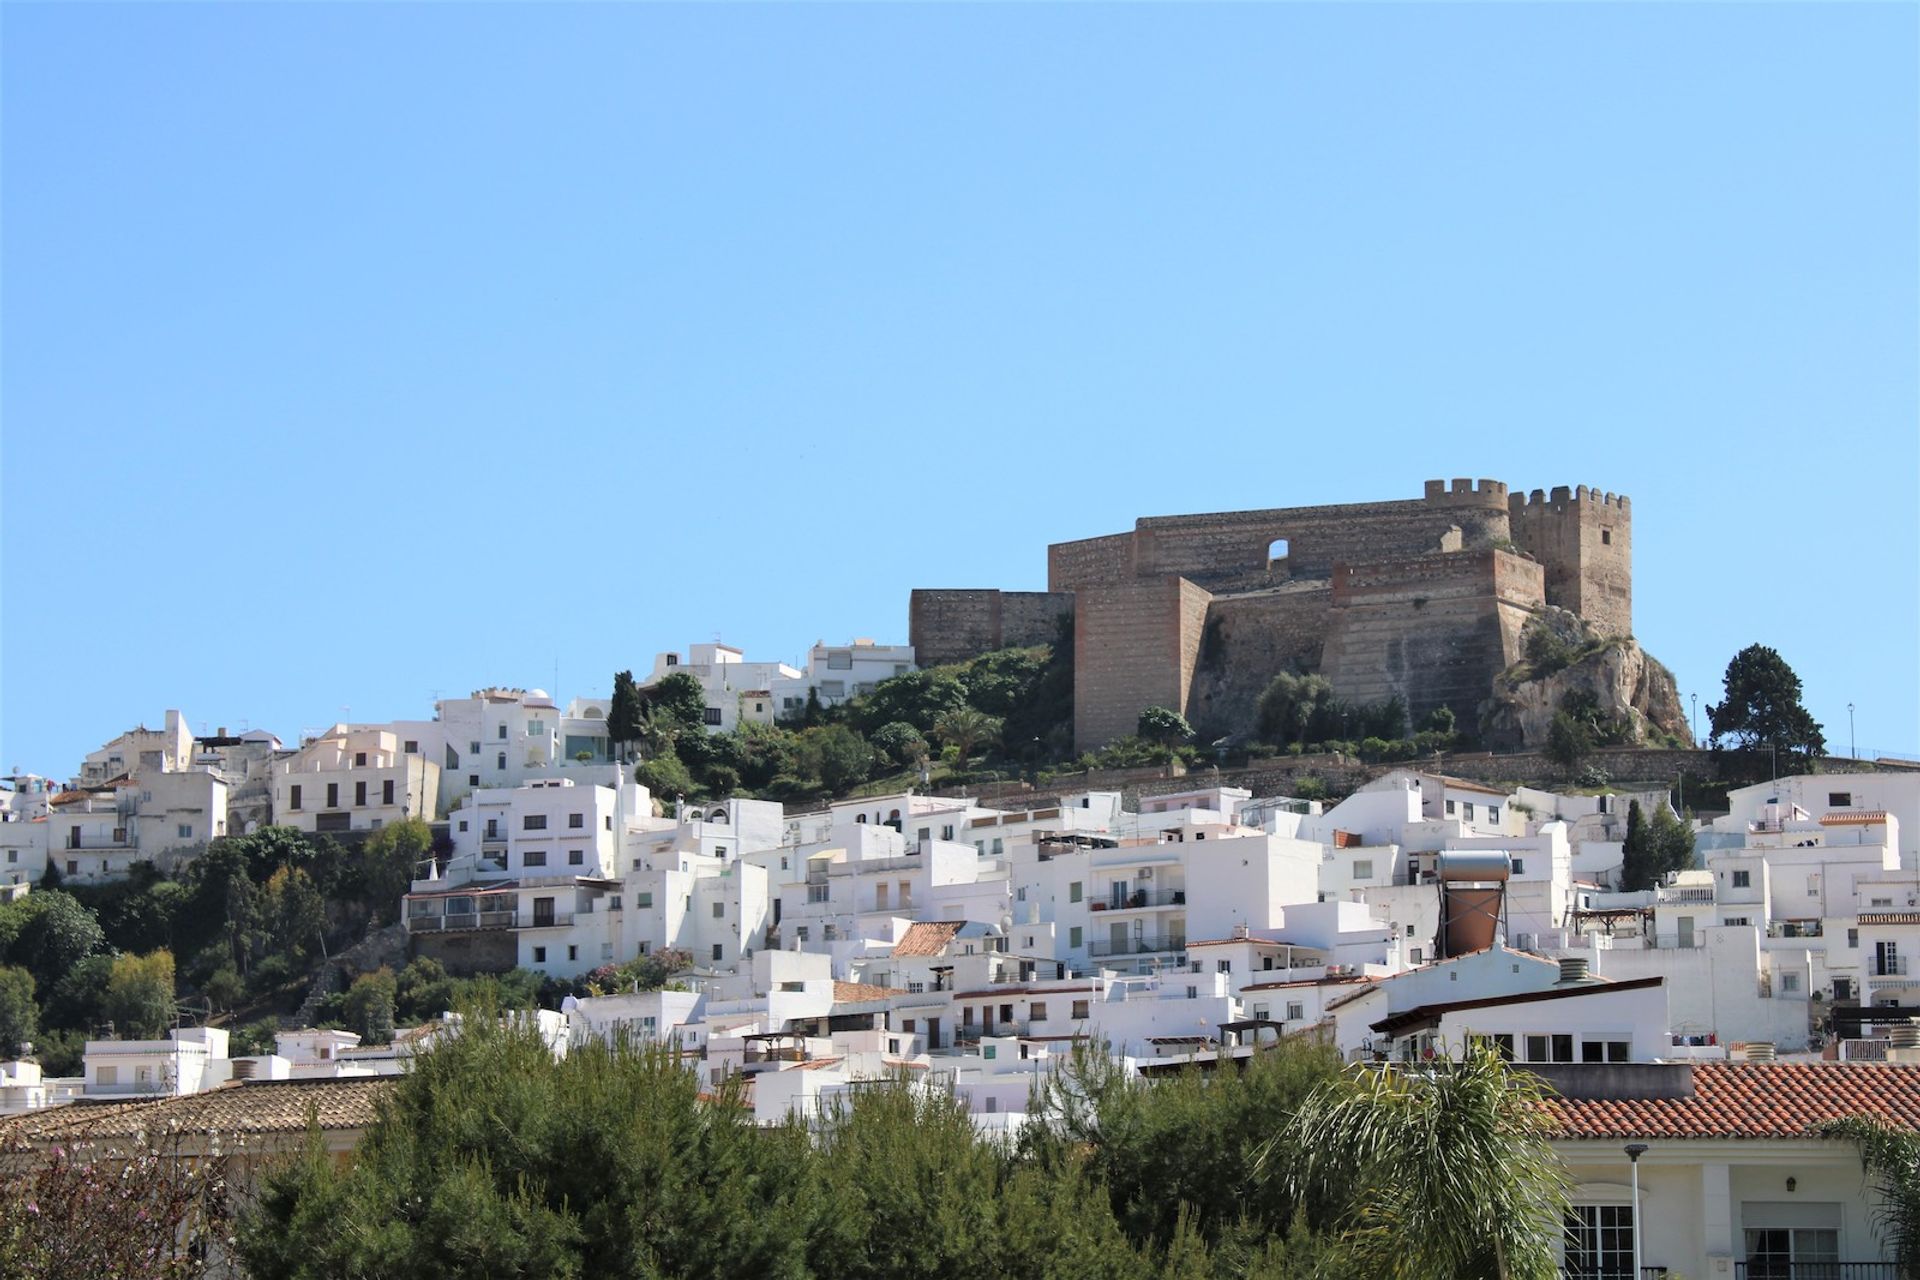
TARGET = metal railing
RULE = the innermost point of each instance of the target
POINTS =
(1889, 967)
(1141, 946)
(1143, 898)
(1764, 1270)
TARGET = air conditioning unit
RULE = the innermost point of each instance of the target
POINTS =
(1146, 873)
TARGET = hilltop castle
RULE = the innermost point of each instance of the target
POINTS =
(1425, 598)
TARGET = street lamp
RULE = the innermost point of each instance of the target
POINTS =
(1634, 1151)
(1693, 719)
(1853, 751)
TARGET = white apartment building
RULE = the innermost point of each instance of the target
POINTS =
(838, 673)
(140, 749)
(354, 780)
(96, 834)
(737, 691)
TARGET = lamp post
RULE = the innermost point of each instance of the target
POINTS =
(1853, 751)
(1634, 1151)
(1693, 719)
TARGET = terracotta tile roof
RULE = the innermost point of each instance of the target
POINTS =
(1890, 917)
(1306, 982)
(1854, 818)
(927, 938)
(265, 1106)
(1750, 1100)
(852, 991)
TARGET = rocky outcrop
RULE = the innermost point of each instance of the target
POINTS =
(1619, 684)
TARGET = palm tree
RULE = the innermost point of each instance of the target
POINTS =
(964, 729)
(1892, 1156)
(1439, 1171)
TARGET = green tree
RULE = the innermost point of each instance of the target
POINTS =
(901, 742)
(390, 861)
(623, 716)
(19, 1015)
(1166, 727)
(1670, 841)
(666, 778)
(1440, 1173)
(1891, 1156)
(140, 995)
(680, 698)
(369, 1006)
(839, 757)
(51, 933)
(296, 916)
(1297, 709)
(966, 730)
(919, 698)
(1640, 865)
(1568, 742)
(1762, 708)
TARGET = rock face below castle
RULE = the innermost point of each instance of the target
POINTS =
(1426, 599)
(1622, 683)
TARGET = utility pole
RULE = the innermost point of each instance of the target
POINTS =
(1853, 751)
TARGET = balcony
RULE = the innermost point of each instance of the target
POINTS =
(1141, 946)
(1765, 1270)
(460, 921)
(1699, 894)
(1143, 898)
(1889, 967)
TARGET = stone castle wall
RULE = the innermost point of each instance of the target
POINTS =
(1424, 598)
(954, 625)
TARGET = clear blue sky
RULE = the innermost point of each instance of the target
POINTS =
(355, 352)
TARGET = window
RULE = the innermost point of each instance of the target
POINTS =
(359, 759)
(1020, 894)
(1789, 983)
(1599, 1240)
(1743, 879)
(503, 733)
(1449, 808)
(411, 747)
(539, 955)
(1603, 1051)
(386, 791)
(1736, 920)
(360, 795)
(1080, 1011)
(711, 715)
(717, 952)
(880, 892)
(1416, 956)
(998, 846)
(1296, 1011)
(184, 831)
(576, 857)
(613, 902)
(719, 911)
(1409, 931)
(293, 797)
(333, 795)
(1519, 866)
(533, 822)
(1784, 1251)
(1075, 937)
(536, 727)
(1468, 809)
(534, 858)
(573, 953)
(1037, 1011)
(107, 1075)
(1493, 813)
(473, 748)
(1073, 892)
(1223, 966)
(1363, 868)
(1839, 799)
(946, 832)
(473, 779)
(1853, 937)
(643, 901)
(576, 821)
(500, 761)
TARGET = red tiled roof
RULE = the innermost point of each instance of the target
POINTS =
(1854, 818)
(1750, 1100)
(1306, 982)
(854, 991)
(927, 938)
(264, 1106)
(1890, 917)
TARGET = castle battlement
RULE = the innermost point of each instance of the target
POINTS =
(1421, 599)
(1466, 492)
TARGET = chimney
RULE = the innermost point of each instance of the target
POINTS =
(1758, 1051)
(1573, 969)
(1903, 1042)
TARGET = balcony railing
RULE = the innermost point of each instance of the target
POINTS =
(1141, 946)
(1816, 1271)
(1684, 893)
(1144, 898)
(1889, 967)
